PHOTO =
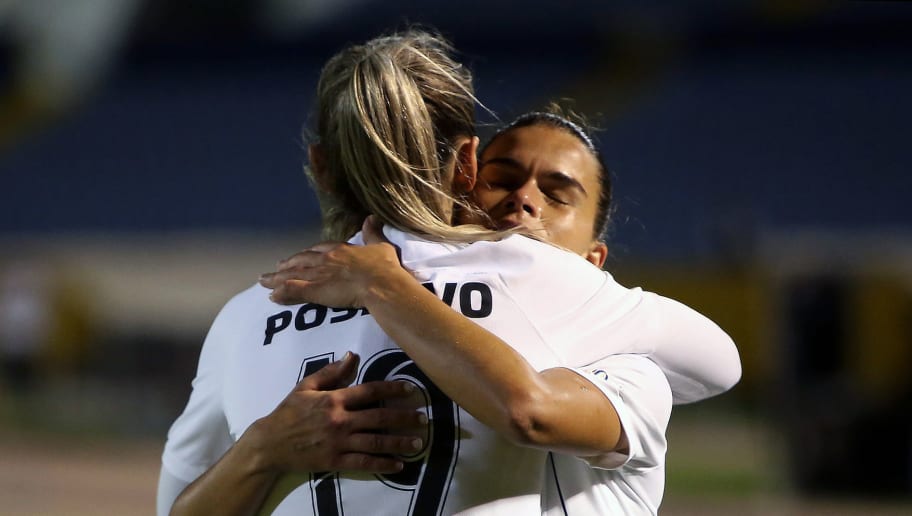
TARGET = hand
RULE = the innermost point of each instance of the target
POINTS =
(335, 273)
(323, 426)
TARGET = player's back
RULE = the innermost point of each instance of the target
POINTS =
(465, 467)
(535, 297)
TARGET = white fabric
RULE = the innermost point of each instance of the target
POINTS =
(632, 483)
(555, 308)
(599, 318)
(169, 487)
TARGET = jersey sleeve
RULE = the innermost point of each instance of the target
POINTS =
(641, 396)
(200, 435)
(169, 488)
(698, 357)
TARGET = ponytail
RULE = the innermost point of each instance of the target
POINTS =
(390, 115)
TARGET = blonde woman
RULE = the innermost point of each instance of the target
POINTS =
(396, 139)
(542, 173)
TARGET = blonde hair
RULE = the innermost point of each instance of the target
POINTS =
(390, 113)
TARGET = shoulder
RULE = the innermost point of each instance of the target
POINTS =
(517, 257)
(236, 315)
(254, 297)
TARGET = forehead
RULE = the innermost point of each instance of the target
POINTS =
(543, 148)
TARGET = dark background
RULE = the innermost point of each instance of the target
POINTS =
(151, 165)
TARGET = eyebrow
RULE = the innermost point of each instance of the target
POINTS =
(556, 175)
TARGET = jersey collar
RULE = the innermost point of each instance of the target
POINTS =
(413, 248)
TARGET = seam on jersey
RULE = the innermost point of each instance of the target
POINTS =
(522, 309)
(560, 493)
(508, 294)
(622, 316)
(607, 281)
(523, 243)
(555, 347)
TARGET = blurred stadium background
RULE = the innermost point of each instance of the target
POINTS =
(150, 163)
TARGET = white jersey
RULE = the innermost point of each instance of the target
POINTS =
(553, 307)
(630, 483)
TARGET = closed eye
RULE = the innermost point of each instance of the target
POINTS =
(553, 197)
(562, 188)
(508, 174)
(502, 173)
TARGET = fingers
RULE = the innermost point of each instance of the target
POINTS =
(323, 247)
(370, 393)
(275, 280)
(290, 292)
(332, 376)
(389, 422)
(378, 453)
(309, 257)
(305, 258)
(290, 287)
(350, 366)
(368, 463)
(385, 444)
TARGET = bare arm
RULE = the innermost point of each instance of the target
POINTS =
(495, 383)
(499, 388)
(313, 429)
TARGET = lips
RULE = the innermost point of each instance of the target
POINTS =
(507, 224)
(526, 225)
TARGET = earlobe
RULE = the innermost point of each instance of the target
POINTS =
(466, 171)
(597, 254)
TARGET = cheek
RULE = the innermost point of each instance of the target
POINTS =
(485, 198)
(570, 229)
(560, 223)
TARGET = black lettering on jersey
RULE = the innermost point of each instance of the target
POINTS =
(449, 291)
(485, 298)
(301, 322)
(427, 474)
(308, 316)
(275, 324)
(313, 364)
(346, 314)
(475, 301)
(466, 305)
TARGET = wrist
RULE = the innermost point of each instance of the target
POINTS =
(388, 285)
(253, 451)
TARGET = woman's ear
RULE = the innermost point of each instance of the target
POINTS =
(466, 171)
(317, 159)
(597, 254)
